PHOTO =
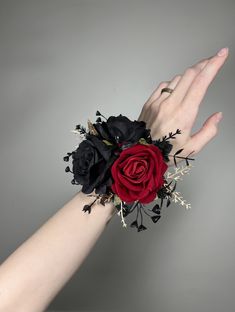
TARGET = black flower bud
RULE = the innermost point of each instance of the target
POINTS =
(87, 208)
(66, 158)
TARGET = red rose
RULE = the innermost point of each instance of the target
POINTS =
(138, 173)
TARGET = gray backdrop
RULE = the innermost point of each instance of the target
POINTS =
(60, 61)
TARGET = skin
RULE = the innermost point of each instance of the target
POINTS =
(39, 268)
(168, 111)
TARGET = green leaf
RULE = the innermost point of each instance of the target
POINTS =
(143, 141)
(107, 142)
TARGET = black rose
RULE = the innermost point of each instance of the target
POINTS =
(121, 129)
(91, 162)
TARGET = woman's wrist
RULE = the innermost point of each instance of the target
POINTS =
(105, 211)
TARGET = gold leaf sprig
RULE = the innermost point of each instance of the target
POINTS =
(91, 128)
(120, 213)
(179, 172)
(178, 198)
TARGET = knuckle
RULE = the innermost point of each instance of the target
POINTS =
(177, 77)
(163, 84)
(163, 108)
(168, 101)
(197, 150)
(201, 64)
(214, 131)
(191, 71)
(200, 78)
(146, 105)
(153, 106)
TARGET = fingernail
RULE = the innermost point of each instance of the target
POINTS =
(218, 117)
(223, 51)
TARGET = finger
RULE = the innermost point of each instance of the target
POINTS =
(172, 85)
(187, 78)
(155, 104)
(151, 113)
(202, 81)
(155, 94)
(207, 132)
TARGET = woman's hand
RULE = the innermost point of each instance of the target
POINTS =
(167, 112)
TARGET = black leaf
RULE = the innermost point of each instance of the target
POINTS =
(141, 228)
(98, 119)
(187, 163)
(169, 183)
(155, 208)
(98, 113)
(175, 161)
(126, 212)
(168, 202)
(134, 224)
(155, 218)
(178, 152)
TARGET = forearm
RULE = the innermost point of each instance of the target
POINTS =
(38, 269)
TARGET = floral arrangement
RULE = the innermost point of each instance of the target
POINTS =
(118, 160)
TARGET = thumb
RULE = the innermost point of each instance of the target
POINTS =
(207, 132)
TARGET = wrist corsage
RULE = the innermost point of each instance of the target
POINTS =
(118, 161)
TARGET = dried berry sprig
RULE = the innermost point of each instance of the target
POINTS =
(81, 129)
(141, 226)
(171, 135)
(99, 198)
(99, 114)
